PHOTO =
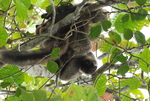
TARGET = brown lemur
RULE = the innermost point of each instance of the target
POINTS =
(75, 56)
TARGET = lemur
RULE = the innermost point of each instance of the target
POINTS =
(75, 56)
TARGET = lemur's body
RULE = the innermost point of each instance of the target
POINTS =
(75, 50)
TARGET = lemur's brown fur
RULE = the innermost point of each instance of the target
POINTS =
(75, 56)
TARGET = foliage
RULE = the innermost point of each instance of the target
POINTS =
(124, 42)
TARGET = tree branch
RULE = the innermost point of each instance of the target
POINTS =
(72, 17)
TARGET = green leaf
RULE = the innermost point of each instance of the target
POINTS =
(123, 70)
(49, 9)
(95, 32)
(18, 92)
(17, 78)
(16, 35)
(42, 3)
(121, 58)
(29, 79)
(115, 37)
(140, 38)
(91, 95)
(56, 98)
(26, 3)
(140, 2)
(137, 92)
(125, 18)
(148, 40)
(133, 25)
(126, 98)
(133, 83)
(39, 95)
(21, 9)
(36, 95)
(26, 96)
(3, 36)
(38, 3)
(52, 66)
(76, 92)
(118, 55)
(79, 93)
(4, 4)
(13, 98)
(142, 13)
(145, 56)
(56, 2)
(128, 44)
(106, 25)
(6, 72)
(128, 34)
(5, 84)
(106, 47)
(55, 53)
(119, 27)
(100, 84)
